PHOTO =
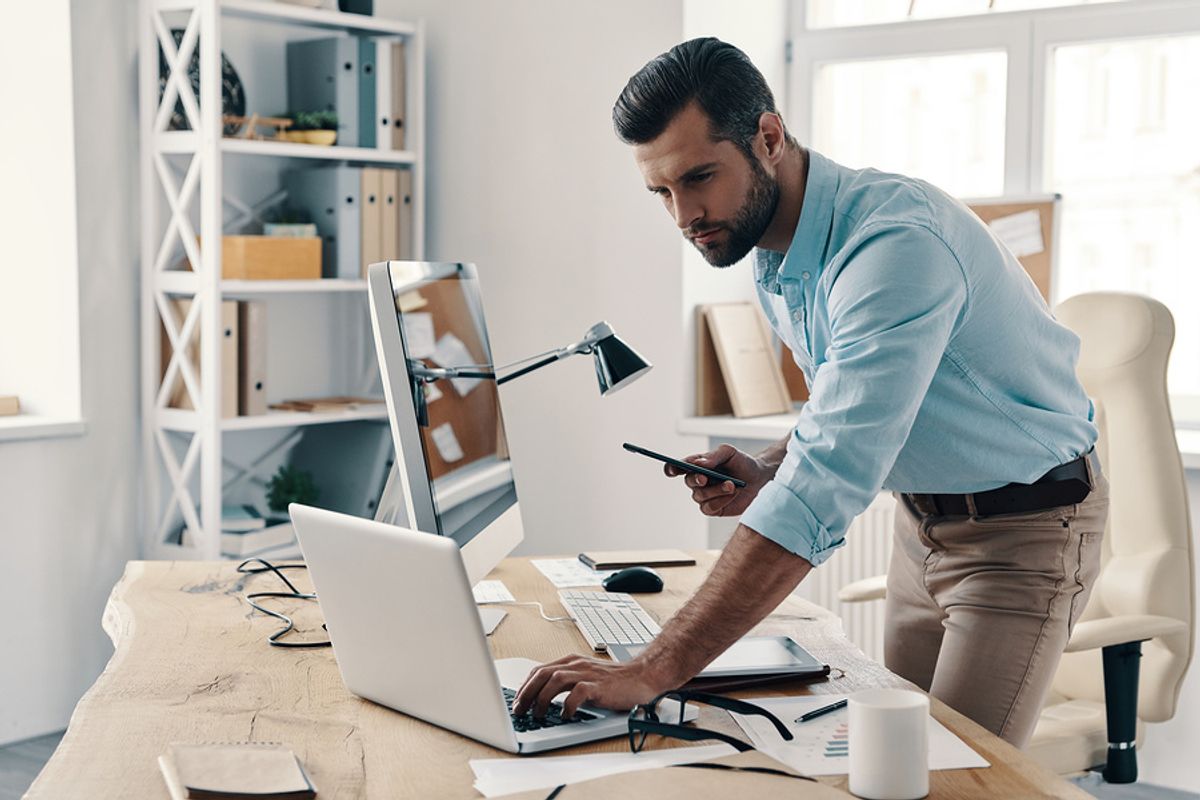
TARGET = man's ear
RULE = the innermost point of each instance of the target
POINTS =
(772, 135)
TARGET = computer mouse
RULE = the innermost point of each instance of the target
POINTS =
(633, 579)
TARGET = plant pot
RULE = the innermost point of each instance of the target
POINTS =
(294, 136)
(324, 138)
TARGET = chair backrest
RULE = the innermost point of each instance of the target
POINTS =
(1125, 341)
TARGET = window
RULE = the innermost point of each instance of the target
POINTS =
(1095, 101)
(878, 114)
(39, 292)
(840, 13)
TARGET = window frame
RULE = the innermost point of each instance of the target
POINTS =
(1029, 38)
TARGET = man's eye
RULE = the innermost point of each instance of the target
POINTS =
(702, 177)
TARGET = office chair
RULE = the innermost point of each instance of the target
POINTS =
(1097, 706)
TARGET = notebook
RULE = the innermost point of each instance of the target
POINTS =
(620, 559)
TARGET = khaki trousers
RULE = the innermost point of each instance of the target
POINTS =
(980, 609)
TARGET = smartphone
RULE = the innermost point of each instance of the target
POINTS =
(683, 465)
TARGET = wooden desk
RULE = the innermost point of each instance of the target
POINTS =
(192, 664)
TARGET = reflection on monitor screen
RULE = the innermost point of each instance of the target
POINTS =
(449, 433)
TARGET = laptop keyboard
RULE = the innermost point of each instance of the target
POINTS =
(527, 722)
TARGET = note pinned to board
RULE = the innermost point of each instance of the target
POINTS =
(1020, 232)
(418, 334)
(451, 352)
(447, 443)
(432, 392)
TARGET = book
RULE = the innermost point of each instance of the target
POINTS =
(277, 533)
(620, 559)
(327, 404)
(232, 770)
(241, 518)
(747, 359)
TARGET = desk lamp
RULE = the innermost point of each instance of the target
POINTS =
(617, 366)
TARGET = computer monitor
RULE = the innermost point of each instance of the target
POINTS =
(453, 476)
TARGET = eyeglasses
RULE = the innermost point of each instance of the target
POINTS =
(644, 720)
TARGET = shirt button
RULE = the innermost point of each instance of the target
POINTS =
(798, 315)
(805, 275)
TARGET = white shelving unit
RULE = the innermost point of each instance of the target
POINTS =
(182, 181)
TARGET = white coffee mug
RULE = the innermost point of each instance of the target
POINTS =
(889, 744)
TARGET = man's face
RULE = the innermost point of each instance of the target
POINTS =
(721, 200)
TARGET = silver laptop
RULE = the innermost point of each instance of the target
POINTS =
(406, 634)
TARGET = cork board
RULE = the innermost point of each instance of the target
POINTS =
(474, 417)
(1037, 260)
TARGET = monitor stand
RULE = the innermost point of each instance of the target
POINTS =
(491, 618)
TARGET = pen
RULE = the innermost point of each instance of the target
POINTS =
(821, 711)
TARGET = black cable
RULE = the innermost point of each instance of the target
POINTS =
(274, 639)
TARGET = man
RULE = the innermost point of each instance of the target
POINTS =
(935, 371)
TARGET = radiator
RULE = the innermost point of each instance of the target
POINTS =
(866, 553)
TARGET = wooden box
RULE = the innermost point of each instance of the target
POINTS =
(271, 258)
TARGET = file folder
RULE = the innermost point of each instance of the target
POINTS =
(324, 75)
(390, 240)
(372, 217)
(332, 198)
(406, 231)
(367, 77)
(178, 394)
(252, 361)
(399, 95)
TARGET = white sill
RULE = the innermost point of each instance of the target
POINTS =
(777, 426)
(35, 426)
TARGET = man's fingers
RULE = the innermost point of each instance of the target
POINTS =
(724, 489)
(582, 693)
(558, 682)
(695, 481)
(536, 680)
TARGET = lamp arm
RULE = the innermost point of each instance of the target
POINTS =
(584, 346)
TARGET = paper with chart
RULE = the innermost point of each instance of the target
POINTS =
(822, 746)
(566, 573)
(495, 777)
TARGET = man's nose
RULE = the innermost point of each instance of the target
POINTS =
(687, 213)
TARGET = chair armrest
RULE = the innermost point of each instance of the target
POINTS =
(874, 588)
(1119, 630)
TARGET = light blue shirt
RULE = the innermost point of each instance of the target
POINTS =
(933, 363)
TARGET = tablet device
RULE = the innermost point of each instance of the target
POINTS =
(685, 466)
(750, 655)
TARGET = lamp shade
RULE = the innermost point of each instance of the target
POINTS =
(617, 364)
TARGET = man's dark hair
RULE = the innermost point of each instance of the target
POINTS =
(718, 76)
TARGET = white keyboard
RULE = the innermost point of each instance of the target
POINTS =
(608, 618)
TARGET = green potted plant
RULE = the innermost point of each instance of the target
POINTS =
(291, 485)
(312, 127)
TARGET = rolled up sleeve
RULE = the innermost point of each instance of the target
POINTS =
(893, 304)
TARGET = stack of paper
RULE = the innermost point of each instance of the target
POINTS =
(495, 777)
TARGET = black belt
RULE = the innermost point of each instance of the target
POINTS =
(1064, 485)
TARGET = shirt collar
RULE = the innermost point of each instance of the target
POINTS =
(810, 242)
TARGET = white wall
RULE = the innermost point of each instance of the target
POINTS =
(527, 179)
(67, 506)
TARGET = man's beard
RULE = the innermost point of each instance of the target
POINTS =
(750, 222)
